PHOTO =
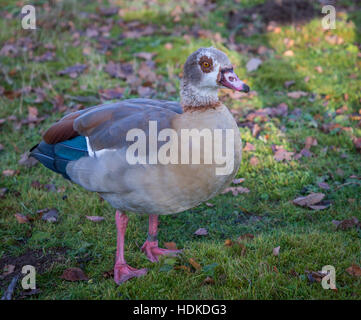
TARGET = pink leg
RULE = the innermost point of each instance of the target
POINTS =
(122, 271)
(150, 246)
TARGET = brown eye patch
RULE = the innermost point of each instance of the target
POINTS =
(206, 64)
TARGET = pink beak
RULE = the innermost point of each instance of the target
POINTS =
(230, 80)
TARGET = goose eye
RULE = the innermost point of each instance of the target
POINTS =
(206, 64)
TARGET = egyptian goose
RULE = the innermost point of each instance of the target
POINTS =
(93, 148)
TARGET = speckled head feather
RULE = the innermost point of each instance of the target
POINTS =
(200, 83)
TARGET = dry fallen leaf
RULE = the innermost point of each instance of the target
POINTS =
(73, 71)
(238, 181)
(346, 223)
(208, 280)
(253, 64)
(276, 251)
(246, 236)
(9, 173)
(249, 147)
(357, 143)
(288, 53)
(194, 264)
(50, 215)
(254, 161)
(235, 190)
(8, 269)
(309, 200)
(282, 154)
(201, 232)
(228, 243)
(74, 274)
(297, 94)
(168, 46)
(95, 218)
(310, 141)
(170, 245)
(324, 185)
(27, 161)
(354, 270)
(21, 218)
(315, 275)
(184, 268)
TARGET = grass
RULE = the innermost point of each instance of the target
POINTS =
(308, 239)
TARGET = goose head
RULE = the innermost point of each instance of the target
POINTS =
(205, 71)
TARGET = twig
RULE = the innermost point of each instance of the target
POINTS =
(10, 290)
(347, 183)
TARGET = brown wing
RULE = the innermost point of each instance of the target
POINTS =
(63, 129)
(107, 126)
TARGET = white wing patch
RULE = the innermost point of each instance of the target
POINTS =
(96, 154)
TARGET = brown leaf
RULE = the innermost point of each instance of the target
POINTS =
(319, 69)
(145, 55)
(170, 245)
(194, 264)
(3, 191)
(319, 206)
(50, 215)
(8, 269)
(342, 110)
(310, 141)
(235, 190)
(246, 236)
(95, 218)
(33, 114)
(145, 72)
(208, 280)
(249, 147)
(74, 274)
(324, 185)
(47, 56)
(282, 154)
(201, 232)
(73, 71)
(238, 181)
(50, 187)
(184, 268)
(276, 251)
(357, 144)
(27, 161)
(110, 94)
(297, 94)
(168, 46)
(9, 173)
(243, 247)
(228, 243)
(354, 270)
(288, 84)
(21, 218)
(254, 161)
(311, 199)
(108, 274)
(315, 275)
(346, 223)
(145, 92)
(288, 53)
